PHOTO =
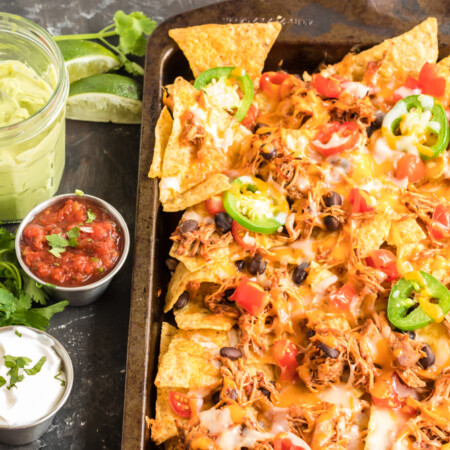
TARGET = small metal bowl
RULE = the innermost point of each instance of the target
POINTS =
(23, 434)
(79, 295)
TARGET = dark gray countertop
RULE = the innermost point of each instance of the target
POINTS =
(101, 159)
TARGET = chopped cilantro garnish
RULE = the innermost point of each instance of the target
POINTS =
(37, 368)
(79, 192)
(58, 377)
(91, 216)
(57, 251)
(72, 235)
(14, 363)
(56, 240)
(59, 243)
(17, 333)
(2, 381)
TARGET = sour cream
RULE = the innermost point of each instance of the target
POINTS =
(36, 395)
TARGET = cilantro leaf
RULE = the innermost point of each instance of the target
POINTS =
(57, 251)
(37, 367)
(56, 240)
(72, 234)
(14, 363)
(2, 381)
(79, 192)
(132, 29)
(90, 216)
(58, 377)
(34, 291)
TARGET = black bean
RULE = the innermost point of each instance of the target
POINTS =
(232, 353)
(329, 352)
(232, 394)
(188, 225)
(182, 300)
(299, 275)
(216, 397)
(411, 334)
(332, 223)
(223, 222)
(171, 264)
(265, 392)
(228, 293)
(429, 359)
(268, 152)
(332, 199)
(240, 265)
(257, 265)
(379, 117)
(310, 333)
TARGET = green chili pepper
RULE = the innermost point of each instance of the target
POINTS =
(417, 300)
(417, 121)
(244, 81)
(256, 205)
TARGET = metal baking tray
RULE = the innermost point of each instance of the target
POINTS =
(314, 32)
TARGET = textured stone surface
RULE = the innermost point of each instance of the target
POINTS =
(102, 159)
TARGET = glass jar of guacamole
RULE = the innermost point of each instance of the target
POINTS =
(33, 92)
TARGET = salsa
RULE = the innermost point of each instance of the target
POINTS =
(72, 243)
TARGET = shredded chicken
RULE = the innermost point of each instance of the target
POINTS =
(200, 241)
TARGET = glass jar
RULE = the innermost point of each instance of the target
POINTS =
(32, 148)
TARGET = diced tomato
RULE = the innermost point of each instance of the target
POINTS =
(440, 228)
(383, 392)
(410, 166)
(250, 117)
(289, 441)
(360, 201)
(430, 82)
(270, 83)
(328, 87)
(385, 261)
(285, 352)
(250, 296)
(180, 404)
(370, 73)
(335, 137)
(214, 205)
(240, 235)
(412, 83)
(343, 297)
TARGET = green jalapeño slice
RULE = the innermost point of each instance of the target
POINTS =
(417, 123)
(417, 300)
(256, 205)
(221, 82)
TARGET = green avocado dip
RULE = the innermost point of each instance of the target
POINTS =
(22, 92)
(32, 138)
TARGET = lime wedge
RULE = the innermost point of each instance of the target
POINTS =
(105, 98)
(86, 58)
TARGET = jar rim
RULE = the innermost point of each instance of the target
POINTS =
(60, 91)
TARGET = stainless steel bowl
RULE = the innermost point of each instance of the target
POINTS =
(86, 294)
(24, 434)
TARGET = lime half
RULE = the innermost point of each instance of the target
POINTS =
(86, 58)
(105, 98)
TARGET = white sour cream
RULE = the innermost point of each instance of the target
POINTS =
(36, 395)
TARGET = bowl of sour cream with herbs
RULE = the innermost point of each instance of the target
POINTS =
(36, 377)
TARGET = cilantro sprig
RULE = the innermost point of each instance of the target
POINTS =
(58, 243)
(133, 30)
(22, 300)
(14, 364)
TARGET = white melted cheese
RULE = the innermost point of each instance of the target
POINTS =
(403, 92)
(36, 395)
(306, 246)
(323, 285)
(384, 425)
(216, 420)
(222, 94)
(170, 183)
(356, 89)
(382, 152)
(343, 395)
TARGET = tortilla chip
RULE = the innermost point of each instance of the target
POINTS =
(406, 231)
(406, 53)
(244, 45)
(196, 316)
(371, 233)
(167, 333)
(163, 426)
(214, 185)
(190, 360)
(185, 166)
(316, 275)
(162, 133)
(444, 71)
(216, 273)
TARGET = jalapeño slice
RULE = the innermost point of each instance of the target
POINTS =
(230, 73)
(417, 122)
(256, 205)
(417, 300)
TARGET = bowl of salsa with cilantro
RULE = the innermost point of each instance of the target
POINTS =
(73, 245)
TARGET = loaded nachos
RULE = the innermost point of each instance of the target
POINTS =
(311, 263)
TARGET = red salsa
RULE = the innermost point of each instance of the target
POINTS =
(72, 243)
